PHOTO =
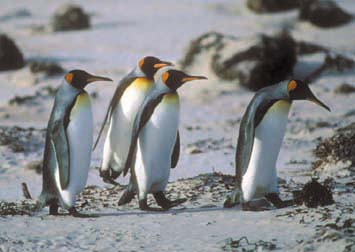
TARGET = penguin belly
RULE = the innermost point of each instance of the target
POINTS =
(155, 145)
(80, 140)
(260, 177)
(118, 138)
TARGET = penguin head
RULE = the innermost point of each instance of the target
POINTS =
(298, 90)
(79, 78)
(174, 79)
(149, 65)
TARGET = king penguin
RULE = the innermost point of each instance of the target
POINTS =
(68, 144)
(129, 95)
(261, 132)
(153, 143)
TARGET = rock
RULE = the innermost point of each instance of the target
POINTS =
(259, 61)
(269, 6)
(70, 17)
(253, 62)
(304, 48)
(344, 88)
(339, 147)
(267, 61)
(11, 57)
(323, 13)
(48, 68)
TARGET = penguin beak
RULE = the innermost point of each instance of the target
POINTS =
(191, 78)
(93, 78)
(318, 102)
(162, 64)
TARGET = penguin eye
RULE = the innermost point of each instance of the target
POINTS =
(69, 77)
(292, 85)
(165, 77)
(141, 63)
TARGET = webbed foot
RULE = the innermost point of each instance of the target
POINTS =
(143, 205)
(75, 213)
(165, 203)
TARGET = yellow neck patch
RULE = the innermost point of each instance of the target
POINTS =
(171, 98)
(142, 84)
(82, 100)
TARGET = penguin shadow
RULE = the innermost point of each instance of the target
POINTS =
(169, 212)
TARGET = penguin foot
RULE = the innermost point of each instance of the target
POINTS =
(143, 205)
(275, 199)
(126, 197)
(246, 206)
(108, 176)
(165, 203)
(53, 208)
(233, 199)
(75, 213)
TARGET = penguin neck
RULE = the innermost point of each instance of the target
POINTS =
(142, 83)
(67, 86)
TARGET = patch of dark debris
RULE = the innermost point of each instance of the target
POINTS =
(22, 139)
(314, 194)
(36, 166)
(243, 244)
(345, 88)
(209, 144)
(42, 93)
(24, 207)
(339, 147)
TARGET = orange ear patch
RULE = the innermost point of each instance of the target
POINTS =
(141, 63)
(165, 76)
(292, 85)
(69, 77)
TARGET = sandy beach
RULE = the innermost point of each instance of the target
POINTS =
(123, 32)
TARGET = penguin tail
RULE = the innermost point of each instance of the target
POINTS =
(42, 201)
(25, 191)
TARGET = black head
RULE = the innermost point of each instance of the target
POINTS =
(175, 78)
(149, 65)
(80, 78)
(298, 90)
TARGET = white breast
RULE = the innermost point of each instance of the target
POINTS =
(156, 142)
(80, 138)
(120, 130)
(260, 177)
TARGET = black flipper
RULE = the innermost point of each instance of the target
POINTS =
(121, 87)
(176, 151)
(59, 141)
